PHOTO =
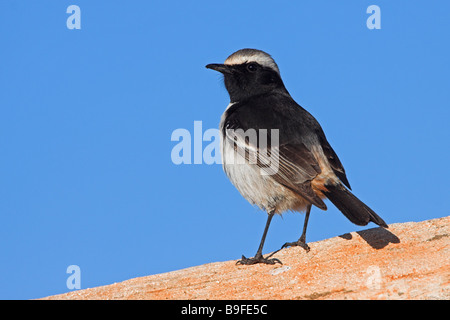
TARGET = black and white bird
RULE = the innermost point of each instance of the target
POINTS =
(307, 169)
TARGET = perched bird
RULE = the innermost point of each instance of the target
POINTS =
(306, 171)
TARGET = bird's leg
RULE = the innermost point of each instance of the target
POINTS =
(258, 258)
(301, 242)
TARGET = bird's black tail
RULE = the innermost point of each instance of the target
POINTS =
(353, 208)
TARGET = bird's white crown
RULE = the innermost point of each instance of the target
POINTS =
(252, 55)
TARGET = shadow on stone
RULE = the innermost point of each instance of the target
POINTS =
(377, 238)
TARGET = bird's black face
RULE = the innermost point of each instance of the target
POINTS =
(249, 79)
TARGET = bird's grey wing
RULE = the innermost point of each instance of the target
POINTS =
(291, 164)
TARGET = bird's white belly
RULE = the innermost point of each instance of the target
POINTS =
(258, 189)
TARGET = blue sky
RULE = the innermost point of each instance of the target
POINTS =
(86, 176)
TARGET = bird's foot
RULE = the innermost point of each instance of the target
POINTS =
(299, 243)
(257, 259)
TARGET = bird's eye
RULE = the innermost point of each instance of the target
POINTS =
(252, 67)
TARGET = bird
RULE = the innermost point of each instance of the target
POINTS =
(263, 125)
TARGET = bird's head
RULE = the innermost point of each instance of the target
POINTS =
(249, 72)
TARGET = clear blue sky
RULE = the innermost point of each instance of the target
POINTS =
(86, 176)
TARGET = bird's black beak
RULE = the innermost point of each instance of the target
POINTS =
(223, 68)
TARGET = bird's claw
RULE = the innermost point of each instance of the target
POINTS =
(299, 243)
(257, 259)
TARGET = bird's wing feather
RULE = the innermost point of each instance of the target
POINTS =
(297, 166)
(334, 161)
